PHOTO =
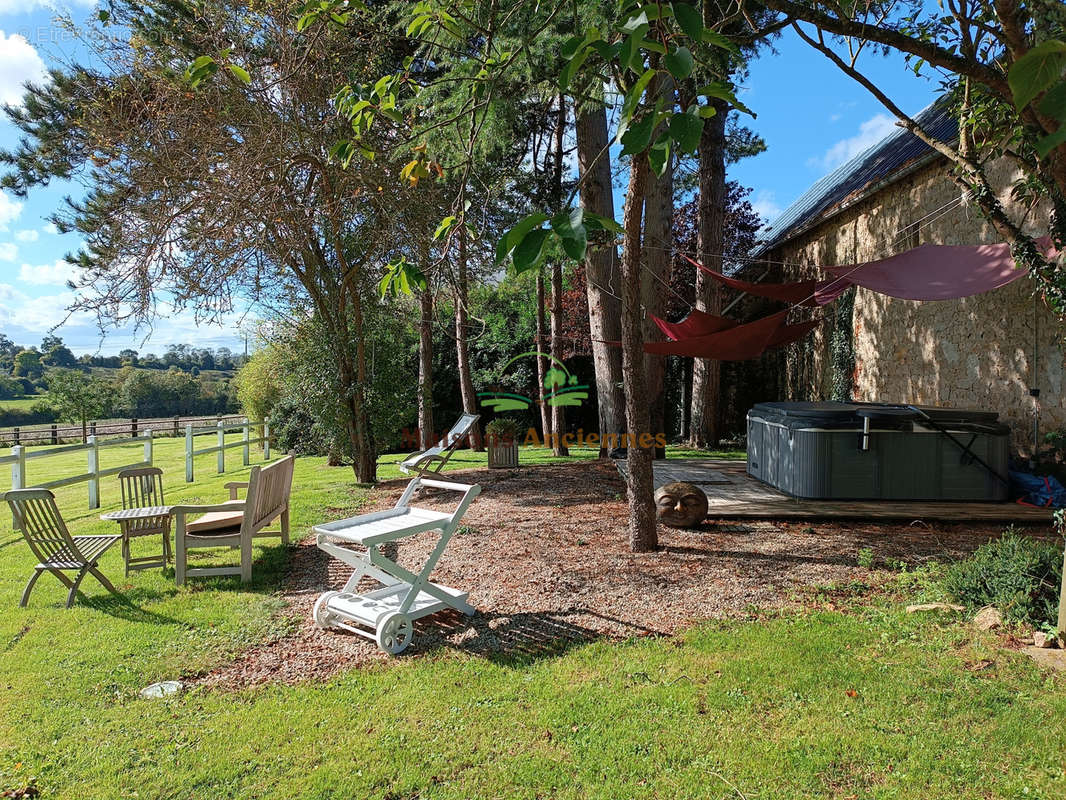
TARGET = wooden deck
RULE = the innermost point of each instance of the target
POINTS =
(733, 494)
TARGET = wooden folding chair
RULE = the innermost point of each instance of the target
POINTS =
(433, 460)
(143, 488)
(38, 518)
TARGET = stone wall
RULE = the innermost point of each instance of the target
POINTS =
(984, 351)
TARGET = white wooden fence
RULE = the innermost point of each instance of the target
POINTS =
(220, 447)
(19, 457)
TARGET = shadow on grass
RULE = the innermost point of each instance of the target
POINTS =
(123, 606)
(518, 640)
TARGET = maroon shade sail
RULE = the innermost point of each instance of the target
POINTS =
(697, 323)
(810, 293)
(939, 272)
(734, 344)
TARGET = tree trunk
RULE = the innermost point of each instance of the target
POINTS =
(658, 237)
(462, 344)
(425, 370)
(84, 431)
(643, 536)
(559, 449)
(706, 376)
(542, 363)
(601, 273)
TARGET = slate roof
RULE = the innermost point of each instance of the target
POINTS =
(880, 163)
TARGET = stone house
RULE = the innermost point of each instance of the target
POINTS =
(986, 351)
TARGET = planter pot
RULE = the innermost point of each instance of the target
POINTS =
(503, 456)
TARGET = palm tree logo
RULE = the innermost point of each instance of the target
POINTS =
(562, 388)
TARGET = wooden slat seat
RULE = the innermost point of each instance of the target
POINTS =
(37, 516)
(143, 488)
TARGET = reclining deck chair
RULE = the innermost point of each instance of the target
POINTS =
(434, 459)
(36, 515)
(236, 522)
(387, 614)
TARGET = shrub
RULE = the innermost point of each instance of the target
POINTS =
(502, 430)
(1018, 575)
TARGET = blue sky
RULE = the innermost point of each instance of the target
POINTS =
(812, 117)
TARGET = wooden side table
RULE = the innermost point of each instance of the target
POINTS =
(138, 522)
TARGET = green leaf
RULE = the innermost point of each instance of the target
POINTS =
(528, 252)
(240, 73)
(680, 62)
(638, 135)
(685, 129)
(689, 20)
(718, 40)
(445, 226)
(571, 68)
(659, 155)
(1053, 104)
(594, 222)
(1036, 71)
(570, 227)
(1048, 143)
(511, 239)
(635, 22)
(633, 96)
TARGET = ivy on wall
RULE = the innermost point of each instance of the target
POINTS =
(842, 348)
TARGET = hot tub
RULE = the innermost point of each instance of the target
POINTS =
(876, 451)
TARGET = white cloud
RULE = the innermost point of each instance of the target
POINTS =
(19, 62)
(50, 229)
(56, 274)
(9, 211)
(870, 133)
(766, 205)
(8, 251)
(29, 235)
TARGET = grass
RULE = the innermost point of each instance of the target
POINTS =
(864, 702)
(20, 403)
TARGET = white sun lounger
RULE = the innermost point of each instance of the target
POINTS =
(386, 614)
(434, 459)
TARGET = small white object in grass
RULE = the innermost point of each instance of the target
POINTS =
(162, 689)
(934, 607)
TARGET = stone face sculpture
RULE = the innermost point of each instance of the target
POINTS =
(680, 505)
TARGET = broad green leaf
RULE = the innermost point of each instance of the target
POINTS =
(689, 20)
(571, 68)
(718, 40)
(527, 253)
(570, 227)
(680, 62)
(594, 222)
(1046, 144)
(659, 155)
(511, 239)
(445, 226)
(1036, 71)
(638, 136)
(633, 96)
(685, 129)
(1053, 104)
(240, 73)
(635, 22)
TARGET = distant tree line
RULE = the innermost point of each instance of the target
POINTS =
(186, 381)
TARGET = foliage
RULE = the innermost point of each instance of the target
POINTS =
(258, 385)
(1019, 575)
(10, 388)
(842, 349)
(503, 430)
(28, 364)
(150, 393)
(77, 397)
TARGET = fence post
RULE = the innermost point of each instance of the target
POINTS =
(148, 446)
(55, 434)
(133, 426)
(18, 475)
(266, 440)
(221, 448)
(245, 433)
(94, 473)
(188, 453)
(16, 434)
(177, 424)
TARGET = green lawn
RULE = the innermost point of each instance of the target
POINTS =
(867, 702)
(20, 403)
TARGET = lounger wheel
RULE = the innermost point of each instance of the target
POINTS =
(394, 632)
(322, 616)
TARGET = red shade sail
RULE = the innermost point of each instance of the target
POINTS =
(734, 344)
(697, 323)
(809, 293)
